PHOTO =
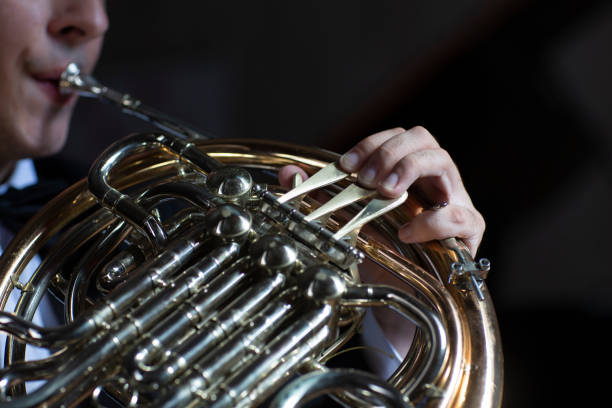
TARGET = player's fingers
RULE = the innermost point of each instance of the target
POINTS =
(286, 173)
(352, 160)
(450, 221)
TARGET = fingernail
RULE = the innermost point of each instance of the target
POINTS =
(349, 161)
(367, 175)
(390, 182)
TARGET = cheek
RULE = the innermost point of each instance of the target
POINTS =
(21, 25)
(13, 47)
(20, 33)
(29, 125)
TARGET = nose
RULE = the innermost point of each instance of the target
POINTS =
(77, 21)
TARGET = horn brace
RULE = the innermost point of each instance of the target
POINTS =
(189, 278)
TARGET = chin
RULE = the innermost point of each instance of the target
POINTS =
(50, 146)
(46, 140)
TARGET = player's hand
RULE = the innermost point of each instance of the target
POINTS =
(394, 160)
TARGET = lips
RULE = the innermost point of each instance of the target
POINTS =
(48, 82)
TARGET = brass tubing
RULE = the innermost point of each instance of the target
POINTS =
(482, 380)
(41, 278)
(86, 267)
(68, 244)
(445, 305)
(134, 213)
(109, 344)
(411, 308)
(144, 280)
(472, 373)
(37, 232)
(67, 206)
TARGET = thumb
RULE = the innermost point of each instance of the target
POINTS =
(285, 175)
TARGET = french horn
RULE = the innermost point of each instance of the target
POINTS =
(189, 278)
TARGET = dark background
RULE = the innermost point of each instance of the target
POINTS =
(519, 92)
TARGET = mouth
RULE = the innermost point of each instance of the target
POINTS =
(49, 84)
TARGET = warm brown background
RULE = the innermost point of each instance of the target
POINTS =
(518, 91)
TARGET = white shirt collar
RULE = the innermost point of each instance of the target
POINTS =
(23, 176)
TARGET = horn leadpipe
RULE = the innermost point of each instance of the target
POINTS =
(73, 80)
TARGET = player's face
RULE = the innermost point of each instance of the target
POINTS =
(38, 38)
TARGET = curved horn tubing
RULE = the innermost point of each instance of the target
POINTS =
(239, 279)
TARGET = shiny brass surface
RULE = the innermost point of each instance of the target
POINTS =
(239, 287)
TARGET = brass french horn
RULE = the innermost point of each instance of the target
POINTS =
(189, 278)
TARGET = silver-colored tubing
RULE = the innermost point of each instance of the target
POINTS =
(239, 349)
(258, 378)
(415, 310)
(85, 268)
(174, 327)
(218, 291)
(289, 365)
(21, 372)
(312, 385)
(143, 280)
(194, 193)
(218, 327)
(123, 204)
(28, 301)
(161, 304)
(100, 348)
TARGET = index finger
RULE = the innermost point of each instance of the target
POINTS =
(352, 160)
